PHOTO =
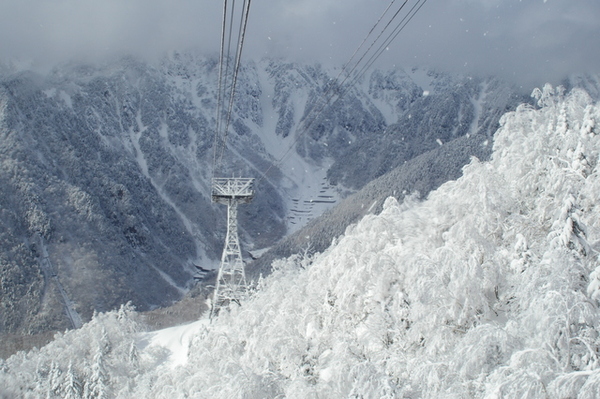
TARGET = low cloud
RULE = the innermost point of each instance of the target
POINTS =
(528, 42)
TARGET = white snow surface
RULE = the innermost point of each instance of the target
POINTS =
(175, 339)
(305, 183)
(488, 288)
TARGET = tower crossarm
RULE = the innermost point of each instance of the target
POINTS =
(240, 189)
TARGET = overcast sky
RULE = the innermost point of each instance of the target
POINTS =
(530, 41)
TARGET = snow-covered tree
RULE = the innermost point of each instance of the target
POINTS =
(97, 382)
(72, 388)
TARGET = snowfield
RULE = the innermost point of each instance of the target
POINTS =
(489, 288)
(175, 339)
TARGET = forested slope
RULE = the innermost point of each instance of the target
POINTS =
(106, 168)
(419, 176)
(489, 287)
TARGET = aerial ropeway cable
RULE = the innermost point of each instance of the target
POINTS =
(353, 77)
(227, 79)
(231, 279)
(390, 38)
(387, 28)
(384, 31)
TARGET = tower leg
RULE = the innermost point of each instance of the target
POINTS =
(231, 281)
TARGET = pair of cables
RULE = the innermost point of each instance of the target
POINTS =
(387, 28)
(228, 72)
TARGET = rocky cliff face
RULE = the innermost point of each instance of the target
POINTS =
(106, 169)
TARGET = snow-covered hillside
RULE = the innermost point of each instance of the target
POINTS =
(488, 288)
(105, 169)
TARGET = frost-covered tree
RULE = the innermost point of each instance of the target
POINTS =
(97, 382)
(72, 388)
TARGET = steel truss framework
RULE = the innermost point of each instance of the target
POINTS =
(231, 281)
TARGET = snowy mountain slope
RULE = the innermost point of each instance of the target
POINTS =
(110, 165)
(420, 162)
(448, 117)
(421, 175)
(487, 288)
(441, 163)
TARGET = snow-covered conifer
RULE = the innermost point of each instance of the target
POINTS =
(97, 382)
(54, 383)
(72, 387)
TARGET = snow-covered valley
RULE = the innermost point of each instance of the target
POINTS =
(489, 287)
(111, 165)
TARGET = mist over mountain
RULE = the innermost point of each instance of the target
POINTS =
(106, 169)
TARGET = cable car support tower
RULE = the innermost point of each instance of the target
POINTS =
(231, 280)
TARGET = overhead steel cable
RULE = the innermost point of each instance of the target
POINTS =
(399, 28)
(236, 69)
(345, 70)
(369, 34)
(221, 135)
(304, 125)
(340, 85)
(339, 89)
(228, 80)
(216, 143)
(376, 39)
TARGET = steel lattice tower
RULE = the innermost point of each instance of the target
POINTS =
(231, 281)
